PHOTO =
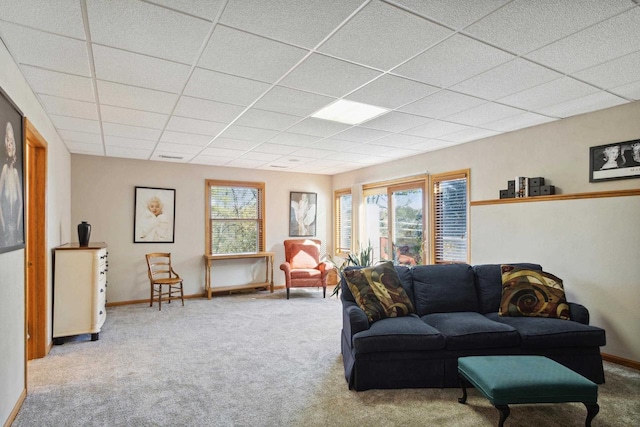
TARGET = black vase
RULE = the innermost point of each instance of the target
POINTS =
(84, 232)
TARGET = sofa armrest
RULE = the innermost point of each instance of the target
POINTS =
(354, 320)
(579, 313)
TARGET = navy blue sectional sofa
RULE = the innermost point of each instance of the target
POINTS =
(457, 315)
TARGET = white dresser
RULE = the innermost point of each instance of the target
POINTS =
(79, 290)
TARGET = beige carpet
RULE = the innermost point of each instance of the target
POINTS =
(257, 360)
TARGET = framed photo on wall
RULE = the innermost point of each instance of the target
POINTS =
(154, 218)
(614, 161)
(11, 176)
(302, 214)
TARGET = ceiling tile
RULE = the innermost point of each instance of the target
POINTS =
(148, 29)
(134, 132)
(551, 93)
(72, 123)
(399, 141)
(169, 147)
(75, 136)
(224, 87)
(210, 160)
(430, 145)
(59, 84)
(369, 160)
(436, 129)
(267, 119)
(295, 160)
(605, 41)
(139, 70)
(207, 9)
(235, 52)
(290, 101)
(201, 127)
(617, 72)
(391, 92)
(519, 121)
(85, 148)
(246, 163)
(484, 113)
(382, 35)
(334, 144)
(455, 14)
(263, 157)
(394, 121)
(137, 98)
(360, 134)
(288, 20)
(128, 153)
(248, 134)
(185, 138)
(631, 91)
(275, 148)
(46, 50)
(318, 127)
(328, 76)
(233, 144)
(586, 104)
(369, 149)
(69, 107)
(294, 139)
(506, 79)
(453, 61)
(442, 104)
(399, 153)
(60, 17)
(171, 156)
(314, 153)
(469, 135)
(222, 152)
(138, 144)
(207, 110)
(127, 116)
(522, 26)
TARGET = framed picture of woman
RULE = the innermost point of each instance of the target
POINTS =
(155, 212)
(614, 161)
(302, 214)
(11, 176)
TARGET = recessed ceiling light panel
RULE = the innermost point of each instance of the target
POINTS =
(349, 112)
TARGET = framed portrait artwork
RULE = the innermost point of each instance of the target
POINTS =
(302, 214)
(154, 218)
(11, 176)
(614, 161)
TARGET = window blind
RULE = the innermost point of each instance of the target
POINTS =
(450, 210)
(343, 222)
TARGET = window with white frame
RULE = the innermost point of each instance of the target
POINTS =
(450, 217)
(343, 230)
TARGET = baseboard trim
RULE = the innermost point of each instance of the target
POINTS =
(140, 301)
(621, 361)
(16, 408)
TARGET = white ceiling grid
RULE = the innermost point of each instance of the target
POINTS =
(234, 83)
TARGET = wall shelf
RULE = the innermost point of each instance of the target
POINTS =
(592, 195)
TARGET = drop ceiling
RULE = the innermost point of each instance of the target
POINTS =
(235, 82)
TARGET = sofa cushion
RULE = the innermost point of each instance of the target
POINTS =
(304, 256)
(532, 293)
(488, 282)
(378, 291)
(542, 333)
(444, 288)
(407, 333)
(305, 273)
(469, 331)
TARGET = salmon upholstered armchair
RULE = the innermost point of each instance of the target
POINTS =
(302, 266)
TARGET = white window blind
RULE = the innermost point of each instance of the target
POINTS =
(236, 217)
(343, 203)
(450, 214)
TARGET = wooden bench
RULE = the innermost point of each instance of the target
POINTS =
(506, 380)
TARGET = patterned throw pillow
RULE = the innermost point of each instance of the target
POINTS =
(378, 292)
(532, 293)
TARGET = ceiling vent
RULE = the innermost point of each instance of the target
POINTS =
(162, 156)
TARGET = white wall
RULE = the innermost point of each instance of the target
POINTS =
(103, 194)
(12, 294)
(606, 279)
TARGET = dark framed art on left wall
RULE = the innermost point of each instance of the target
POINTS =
(11, 175)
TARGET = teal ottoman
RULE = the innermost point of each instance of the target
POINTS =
(506, 380)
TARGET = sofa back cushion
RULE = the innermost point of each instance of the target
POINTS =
(444, 288)
(405, 280)
(488, 282)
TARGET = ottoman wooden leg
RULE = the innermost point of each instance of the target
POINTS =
(504, 413)
(463, 385)
(592, 411)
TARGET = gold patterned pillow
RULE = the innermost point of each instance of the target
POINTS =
(378, 291)
(532, 293)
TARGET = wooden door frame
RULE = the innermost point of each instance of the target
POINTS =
(36, 260)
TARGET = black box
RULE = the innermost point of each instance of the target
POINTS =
(547, 190)
(536, 182)
(504, 194)
(511, 193)
(534, 191)
(511, 185)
